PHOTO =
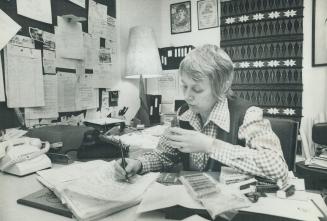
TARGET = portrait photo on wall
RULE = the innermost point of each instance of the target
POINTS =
(319, 35)
(180, 17)
(207, 14)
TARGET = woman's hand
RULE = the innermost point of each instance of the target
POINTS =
(188, 140)
(133, 166)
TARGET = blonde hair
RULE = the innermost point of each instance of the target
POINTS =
(212, 62)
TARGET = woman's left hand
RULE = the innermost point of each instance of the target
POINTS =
(188, 140)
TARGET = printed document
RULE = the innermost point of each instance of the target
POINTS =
(24, 79)
(50, 110)
(66, 91)
(8, 28)
(90, 190)
(39, 10)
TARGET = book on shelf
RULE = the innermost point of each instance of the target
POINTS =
(90, 191)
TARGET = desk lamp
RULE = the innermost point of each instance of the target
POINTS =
(143, 61)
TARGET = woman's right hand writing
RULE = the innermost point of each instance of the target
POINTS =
(133, 166)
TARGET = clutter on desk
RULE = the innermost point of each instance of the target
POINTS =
(90, 190)
(45, 199)
(22, 156)
(145, 139)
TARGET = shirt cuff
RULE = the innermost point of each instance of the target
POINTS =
(145, 165)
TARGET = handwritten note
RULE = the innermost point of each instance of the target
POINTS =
(8, 28)
(24, 79)
(39, 10)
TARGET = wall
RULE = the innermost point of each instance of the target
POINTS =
(195, 37)
(314, 78)
(132, 13)
(157, 14)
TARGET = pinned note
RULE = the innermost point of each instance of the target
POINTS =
(39, 10)
(8, 28)
(24, 79)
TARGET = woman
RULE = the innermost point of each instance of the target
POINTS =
(216, 128)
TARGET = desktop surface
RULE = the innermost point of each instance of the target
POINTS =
(14, 187)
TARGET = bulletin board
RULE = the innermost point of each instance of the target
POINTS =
(59, 8)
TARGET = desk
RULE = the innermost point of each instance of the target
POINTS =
(314, 178)
(13, 188)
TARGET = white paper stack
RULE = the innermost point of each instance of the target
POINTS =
(90, 191)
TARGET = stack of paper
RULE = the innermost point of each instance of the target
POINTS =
(90, 191)
(318, 162)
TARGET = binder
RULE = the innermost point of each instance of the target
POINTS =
(45, 199)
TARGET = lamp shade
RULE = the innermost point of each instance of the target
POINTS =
(142, 54)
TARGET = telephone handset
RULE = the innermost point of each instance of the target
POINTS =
(23, 155)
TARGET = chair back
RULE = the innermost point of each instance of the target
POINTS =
(287, 132)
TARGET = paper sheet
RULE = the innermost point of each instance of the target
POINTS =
(2, 88)
(79, 2)
(24, 79)
(39, 10)
(50, 110)
(90, 190)
(66, 91)
(91, 44)
(69, 39)
(86, 94)
(298, 210)
(49, 59)
(22, 41)
(8, 28)
(168, 87)
(97, 19)
(159, 196)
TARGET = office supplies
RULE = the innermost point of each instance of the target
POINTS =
(123, 160)
(122, 111)
(168, 179)
(199, 185)
(23, 156)
(289, 190)
(45, 199)
(104, 124)
(154, 102)
(90, 190)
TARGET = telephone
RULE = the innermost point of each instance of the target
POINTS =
(23, 156)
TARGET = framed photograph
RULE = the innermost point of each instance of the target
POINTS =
(180, 17)
(207, 14)
(319, 33)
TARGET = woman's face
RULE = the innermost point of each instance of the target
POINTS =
(198, 94)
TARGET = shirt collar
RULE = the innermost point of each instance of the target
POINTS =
(219, 115)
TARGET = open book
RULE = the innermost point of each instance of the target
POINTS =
(90, 191)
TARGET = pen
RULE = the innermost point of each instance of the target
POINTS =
(123, 161)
